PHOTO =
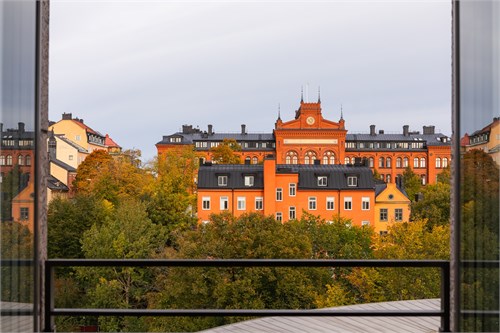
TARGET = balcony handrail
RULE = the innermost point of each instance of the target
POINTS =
(51, 311)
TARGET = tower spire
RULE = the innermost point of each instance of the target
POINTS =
(319, 95)
(302, 94)
(341, 112)
(279, 111)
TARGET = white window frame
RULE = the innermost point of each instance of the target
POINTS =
(205, 203)
(249, 181)
(322, 181)
(241, 203)
(279, 194)
(365, 223)
(365, 203)
(312, 203)
(347, 203)
(384, 211)
(352, 181)
(292, 189)
(279, 216)
(259, 203)
(224, 203)
(222, 180)
(330, 203)
(292, 213)
(398, 212)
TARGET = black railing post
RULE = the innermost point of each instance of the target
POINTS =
(445, 297)
(49, 298)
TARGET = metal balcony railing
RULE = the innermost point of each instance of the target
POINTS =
(51, 311)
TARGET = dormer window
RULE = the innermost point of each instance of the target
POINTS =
(352, 181)
(249, 180)
(322, 181)
(175, 139)
(222, 180)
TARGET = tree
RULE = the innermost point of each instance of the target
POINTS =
(253, 236)
(171, 196)
(434, 206)
(225, 152)
(411, 183)
(67, 221)
(128, 234)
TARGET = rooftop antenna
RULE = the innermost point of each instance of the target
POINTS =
(319, 95)
(301, 94)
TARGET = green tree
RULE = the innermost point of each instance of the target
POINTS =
(171, 199)
(253, 236)
(225, 152)
(128, 234)
(411, 183)
(434, 206)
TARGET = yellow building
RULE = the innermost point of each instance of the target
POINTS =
(391, 206)
(486, 139)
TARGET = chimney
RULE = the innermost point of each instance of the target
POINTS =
(80, 120)
(243, 129)
(428, 130)
(210, 130)
(1, 127)
(406, 130)
(20, 127)
(372, 130)
(67, 116)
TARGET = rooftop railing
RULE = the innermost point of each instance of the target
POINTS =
(51, 311)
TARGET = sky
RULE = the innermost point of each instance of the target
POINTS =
(138, 70)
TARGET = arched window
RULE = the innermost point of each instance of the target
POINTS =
(398, 162)
(28, 160)
(346, 160)
(438, 162)
(247, 160)
(291, 157)
(328, 157)
(370, 162)
(445, 162)
(20, 160)
(309, 157)
(405, 162)
(423, 179)
(2, 160)
(415, 162)
(388, 161)
(353, 159)
(255, 160)
(9, 159)
(422, 162)
(381, 162)
(388, 178)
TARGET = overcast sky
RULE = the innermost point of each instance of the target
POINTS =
(139, 70)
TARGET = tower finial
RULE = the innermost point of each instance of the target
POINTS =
(341, 112)
(319, 95)
(302, 94)
(279, 111)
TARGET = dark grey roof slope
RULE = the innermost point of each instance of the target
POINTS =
(56, 185)
(193, 137)
(336, 176)
(208, 176)
(346, 324)
(63, 165)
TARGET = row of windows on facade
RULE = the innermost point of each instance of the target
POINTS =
(385, 145)
(12, 142)
(329, 158)
(213, 144)
(21, 160)
(259, 203)
(481, 138)
(352, 181)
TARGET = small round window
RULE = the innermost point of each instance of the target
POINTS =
(391, 196)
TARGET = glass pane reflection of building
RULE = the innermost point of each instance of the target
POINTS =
(17, 164)
(479, 128)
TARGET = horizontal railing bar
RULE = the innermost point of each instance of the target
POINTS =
(16, 312)
(245, 263)
(242, 312)
(486, 313)
(16, 262)
(480, 263)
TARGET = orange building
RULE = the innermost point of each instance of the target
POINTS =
(287, 191)
(309, 137)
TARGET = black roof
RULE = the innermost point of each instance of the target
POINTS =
(308, 176)
(216, 137)
(208, 176)
(430, 139)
